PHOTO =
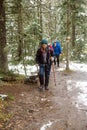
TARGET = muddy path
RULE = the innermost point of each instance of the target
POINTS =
(60, 108)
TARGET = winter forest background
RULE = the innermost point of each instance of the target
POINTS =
(23, 23)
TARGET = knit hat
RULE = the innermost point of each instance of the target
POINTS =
(44, 41)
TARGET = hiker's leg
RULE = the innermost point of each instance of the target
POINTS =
(41, 75)
(54, 60)
(58, 60)
(47, 69)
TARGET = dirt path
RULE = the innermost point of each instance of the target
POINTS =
(60, 108)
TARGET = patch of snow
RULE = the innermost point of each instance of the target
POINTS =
(43, 99)
(69, 85)
(80, 85)
(29, 58)
(31, 2)
(49, 124)
(78, 66)
(45, 126)
(3, 96)
(82, 95)
(82, 13)
(82, 98)
(20, 69)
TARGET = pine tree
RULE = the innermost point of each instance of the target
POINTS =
(3, 54)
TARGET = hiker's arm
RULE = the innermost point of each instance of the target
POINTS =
(37, 57)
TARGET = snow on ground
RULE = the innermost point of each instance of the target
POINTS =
(21, 70)
(82, 95)
(78, 66)
(81, 84)
(45, 126)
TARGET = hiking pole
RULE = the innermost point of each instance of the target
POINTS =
(37, 67)
(54, 74)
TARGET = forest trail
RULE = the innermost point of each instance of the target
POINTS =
(63, 107)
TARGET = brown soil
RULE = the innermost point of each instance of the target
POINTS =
(56, 108)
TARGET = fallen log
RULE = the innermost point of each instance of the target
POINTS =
(8, 79)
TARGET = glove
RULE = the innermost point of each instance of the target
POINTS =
(52, 59)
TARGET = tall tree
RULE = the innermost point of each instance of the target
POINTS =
(20, 30)
(41, 24)
(73, 17)
(3, 55)
(67, 34)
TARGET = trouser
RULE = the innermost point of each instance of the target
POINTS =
(44, 75)
(56, 59)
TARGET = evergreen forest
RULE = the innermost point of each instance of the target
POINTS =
(23, 23)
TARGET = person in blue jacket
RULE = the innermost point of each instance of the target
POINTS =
(57, 51)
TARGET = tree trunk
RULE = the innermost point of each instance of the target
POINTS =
(73, 26)
(50, 23)
(20, 31)
(68, 31)
(3, 54)
(41, 24)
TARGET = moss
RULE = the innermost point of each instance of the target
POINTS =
(10, 76)
(4, 115)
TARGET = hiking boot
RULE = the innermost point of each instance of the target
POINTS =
(41, 88)
(46, 88)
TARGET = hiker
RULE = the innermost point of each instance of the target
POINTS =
(43, 59)
(57, 51)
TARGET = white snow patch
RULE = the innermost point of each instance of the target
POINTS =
(3, 96)
(78, 66)
(82, 95)
(69, 85)
(45, 126)
(80, 98)
(20, 69)
(29, 58)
